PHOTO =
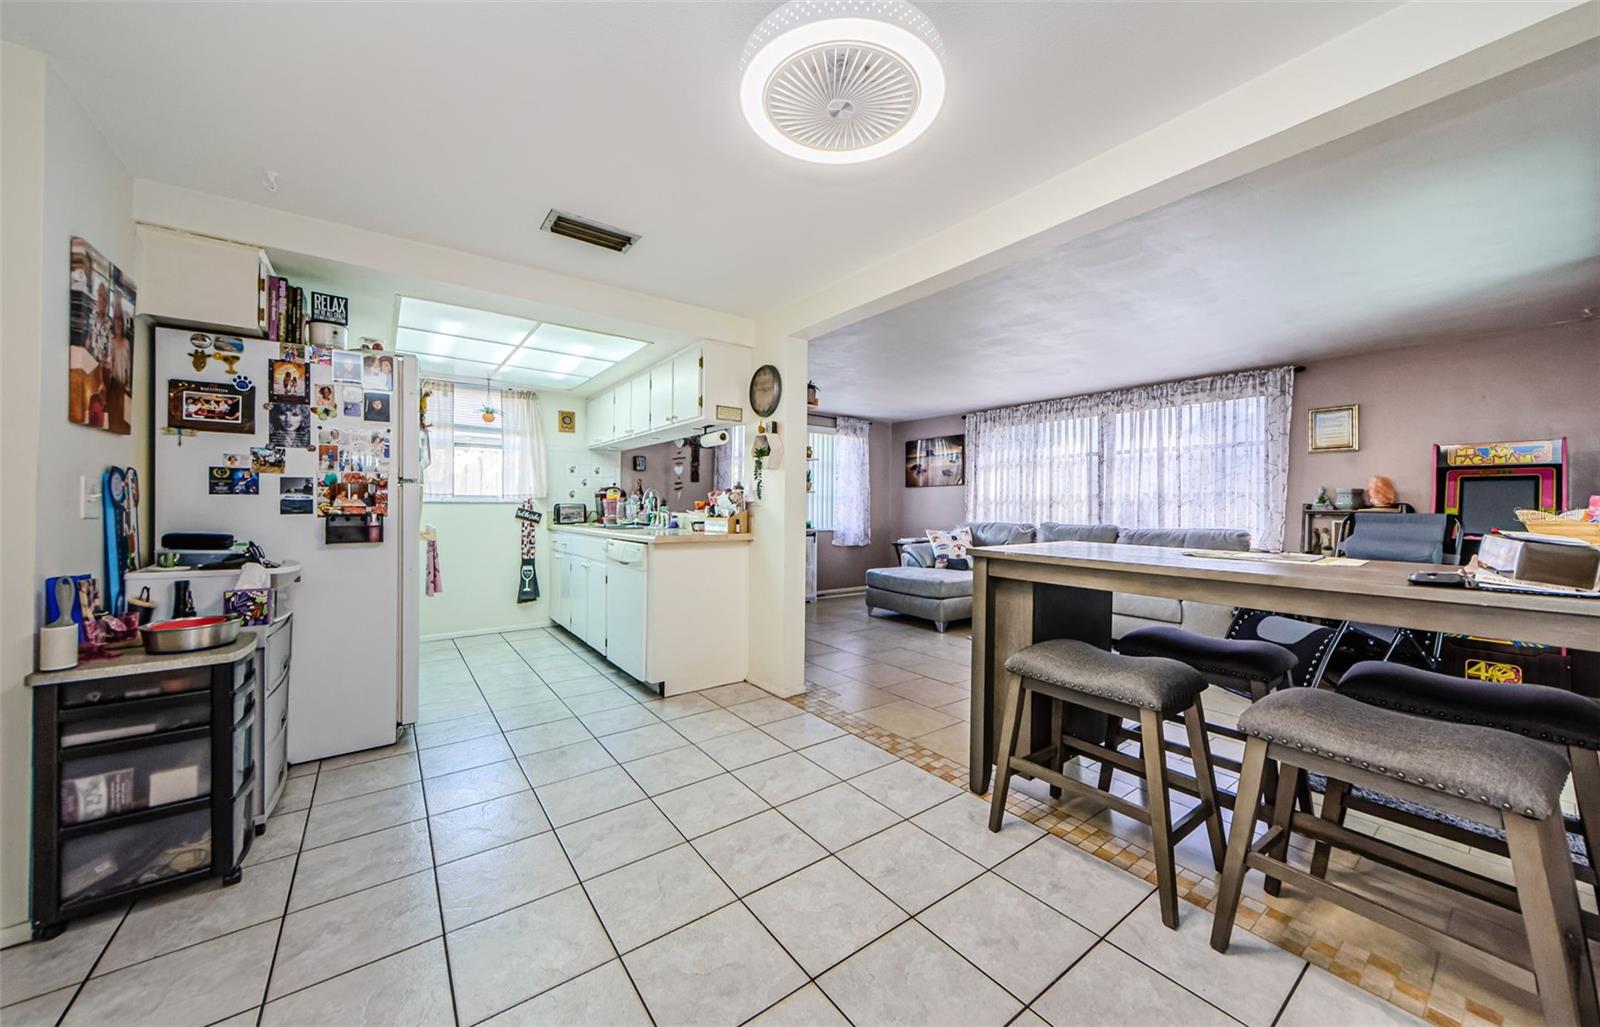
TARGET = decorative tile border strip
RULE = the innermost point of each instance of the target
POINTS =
(1346, 958)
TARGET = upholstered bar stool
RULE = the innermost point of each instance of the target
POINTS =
(1551, 715)
(1148, 692)
(1495, 778)
(1248, 668)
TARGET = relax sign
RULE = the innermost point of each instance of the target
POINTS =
(330, 309)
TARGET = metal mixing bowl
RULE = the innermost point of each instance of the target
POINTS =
(191, 639)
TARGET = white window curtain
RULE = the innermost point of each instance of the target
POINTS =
(523, 472)
(438, 481)
(1203, 453)
(729, 461)
(852, 482)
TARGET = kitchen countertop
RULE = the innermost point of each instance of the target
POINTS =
(651, 536)
(137, 661)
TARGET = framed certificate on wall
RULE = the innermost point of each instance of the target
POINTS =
(1334, 429)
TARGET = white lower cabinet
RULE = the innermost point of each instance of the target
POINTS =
(636, 603)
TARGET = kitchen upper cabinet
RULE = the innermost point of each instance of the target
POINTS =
(661, 385)
(602, 423)
(639, 402)
(701, 386)
(190, 280)
(686, 386)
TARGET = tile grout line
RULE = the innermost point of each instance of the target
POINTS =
(288, 896)
(578, 880)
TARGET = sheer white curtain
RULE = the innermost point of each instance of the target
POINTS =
(729, 461)
(852, 482)
(523, 468)
(1203, 453)
(1037, 462)
(439, 480)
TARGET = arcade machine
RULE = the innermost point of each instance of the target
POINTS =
(1483, 485)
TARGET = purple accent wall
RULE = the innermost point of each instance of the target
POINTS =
(1535, 385)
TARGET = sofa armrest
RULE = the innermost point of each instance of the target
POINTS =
(916, 554)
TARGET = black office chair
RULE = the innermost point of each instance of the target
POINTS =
(1408, 537)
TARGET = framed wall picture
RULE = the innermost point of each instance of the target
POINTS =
(936, 461)
(567, 422)
(1334, 429)
(638, 461)
(99, 342)
(210, 406)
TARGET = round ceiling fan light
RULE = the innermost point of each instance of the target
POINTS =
(842, 81)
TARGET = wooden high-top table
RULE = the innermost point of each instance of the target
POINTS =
(1030, 593)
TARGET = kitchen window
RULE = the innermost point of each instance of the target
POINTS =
(819, 479)
(483, 443)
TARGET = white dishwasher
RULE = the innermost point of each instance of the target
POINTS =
(627, 570)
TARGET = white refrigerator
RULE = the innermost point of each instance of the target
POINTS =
(355, 608)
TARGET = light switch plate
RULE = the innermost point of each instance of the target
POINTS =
(89, 498)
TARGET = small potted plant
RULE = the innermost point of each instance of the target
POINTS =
(811, 394)
(488, 413)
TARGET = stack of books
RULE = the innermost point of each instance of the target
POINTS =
(286, 311)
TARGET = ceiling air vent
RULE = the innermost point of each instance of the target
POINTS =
(593, 233)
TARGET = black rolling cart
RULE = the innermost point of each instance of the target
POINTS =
(143, 777)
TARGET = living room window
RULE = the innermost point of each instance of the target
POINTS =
(1202, 453)
(820, 479)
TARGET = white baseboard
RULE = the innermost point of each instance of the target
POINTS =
(16, 934)
(446, 636)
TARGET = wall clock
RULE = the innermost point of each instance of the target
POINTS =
(766, 389)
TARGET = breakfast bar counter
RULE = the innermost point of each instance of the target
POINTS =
(1029, 593)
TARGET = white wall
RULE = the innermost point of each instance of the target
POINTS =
(778, 553)
(480, 543)
(60, 179)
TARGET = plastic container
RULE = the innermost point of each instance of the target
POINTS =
(107, 861)
(105, 785)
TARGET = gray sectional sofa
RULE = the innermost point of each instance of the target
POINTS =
(919, 589)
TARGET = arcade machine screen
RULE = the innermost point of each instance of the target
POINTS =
(1489, 503)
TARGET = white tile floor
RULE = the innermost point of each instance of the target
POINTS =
(555, 845)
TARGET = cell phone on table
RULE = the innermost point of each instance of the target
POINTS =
(1445, 579)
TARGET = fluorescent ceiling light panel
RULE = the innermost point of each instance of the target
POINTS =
(579, 342)
(460, 342)
(448, 319)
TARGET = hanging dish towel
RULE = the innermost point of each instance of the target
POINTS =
(527, 574)
(435, 582)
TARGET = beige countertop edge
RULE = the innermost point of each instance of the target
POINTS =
(137, 661)
(653, 538)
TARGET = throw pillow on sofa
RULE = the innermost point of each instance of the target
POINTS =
(950, 549)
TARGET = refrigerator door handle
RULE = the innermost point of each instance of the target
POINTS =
(410, 481)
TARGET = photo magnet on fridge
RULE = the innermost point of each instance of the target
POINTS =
(346, 367)
(290, 381)
(295, 495)
(233, 481)
(324, 405)
(377, 372)
(266, 460)
(289, 425)
(350, 399)
(210, 406)
(375, 407)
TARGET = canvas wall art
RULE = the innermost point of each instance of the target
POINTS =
(100, 342)
(936, 461)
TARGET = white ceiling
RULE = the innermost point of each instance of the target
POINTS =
(1477, 214)
(463, 124)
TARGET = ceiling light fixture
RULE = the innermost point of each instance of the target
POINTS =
(842, 81)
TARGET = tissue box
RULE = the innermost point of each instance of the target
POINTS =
(1568, 564)
(252, 605)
